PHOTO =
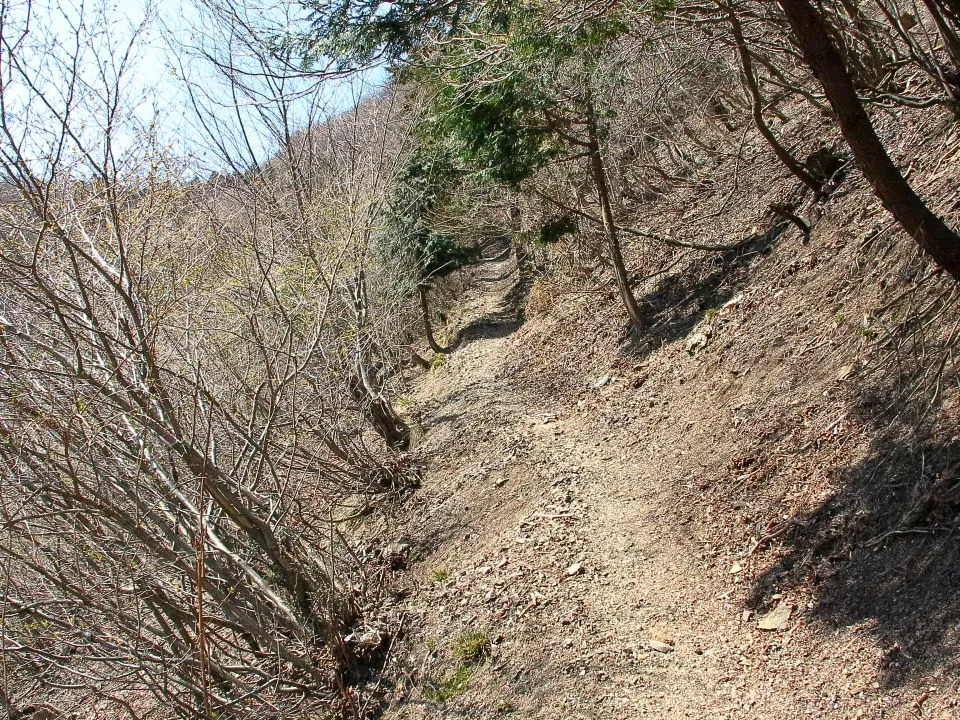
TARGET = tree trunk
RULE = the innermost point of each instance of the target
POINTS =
(889, 185)
(756, 102)
(951, 41)
(384, 419)
(391, 428)
(599, 173)
(367, 385)
(951, 11)
(427, 325)
(418, 360)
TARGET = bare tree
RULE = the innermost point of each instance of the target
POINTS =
(173, 447)
(325, 156)
(756, 103)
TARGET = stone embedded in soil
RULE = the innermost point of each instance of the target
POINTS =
(574, 569)
(697, 342)
(662, 636)
(600, 382)
(659, 646)
(778, 618)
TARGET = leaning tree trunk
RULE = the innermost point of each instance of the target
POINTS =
(427, 325)
(756, 103)
(951, 40)
(367, 387)
(599, 173)
(391, 428)
(889, 185)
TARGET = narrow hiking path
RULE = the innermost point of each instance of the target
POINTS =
(555, 537)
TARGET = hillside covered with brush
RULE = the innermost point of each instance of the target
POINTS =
(467, 359)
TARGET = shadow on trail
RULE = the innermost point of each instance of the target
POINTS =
(508, 316)
(501, 252)
(440, 534)
(884, 550)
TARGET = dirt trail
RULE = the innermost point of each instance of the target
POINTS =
(555, 537)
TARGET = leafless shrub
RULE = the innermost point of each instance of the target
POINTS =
(177, 433)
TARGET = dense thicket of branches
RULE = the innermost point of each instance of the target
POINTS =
(187, 371)
(197, 377)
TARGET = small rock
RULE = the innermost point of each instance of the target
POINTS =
(735, 568)
(660, 647)
(697, 343)
(662, 636)
(845, 372)
(776, 619)
(574, 569)
(600, 382)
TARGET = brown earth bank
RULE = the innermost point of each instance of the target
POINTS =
(750, 511)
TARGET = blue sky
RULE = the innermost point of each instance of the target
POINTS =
(167, 37)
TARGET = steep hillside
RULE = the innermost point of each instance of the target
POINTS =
(748, 511)
(458, 358)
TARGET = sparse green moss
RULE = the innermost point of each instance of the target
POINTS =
(471, 647)
(449, 684)
(440, 574)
